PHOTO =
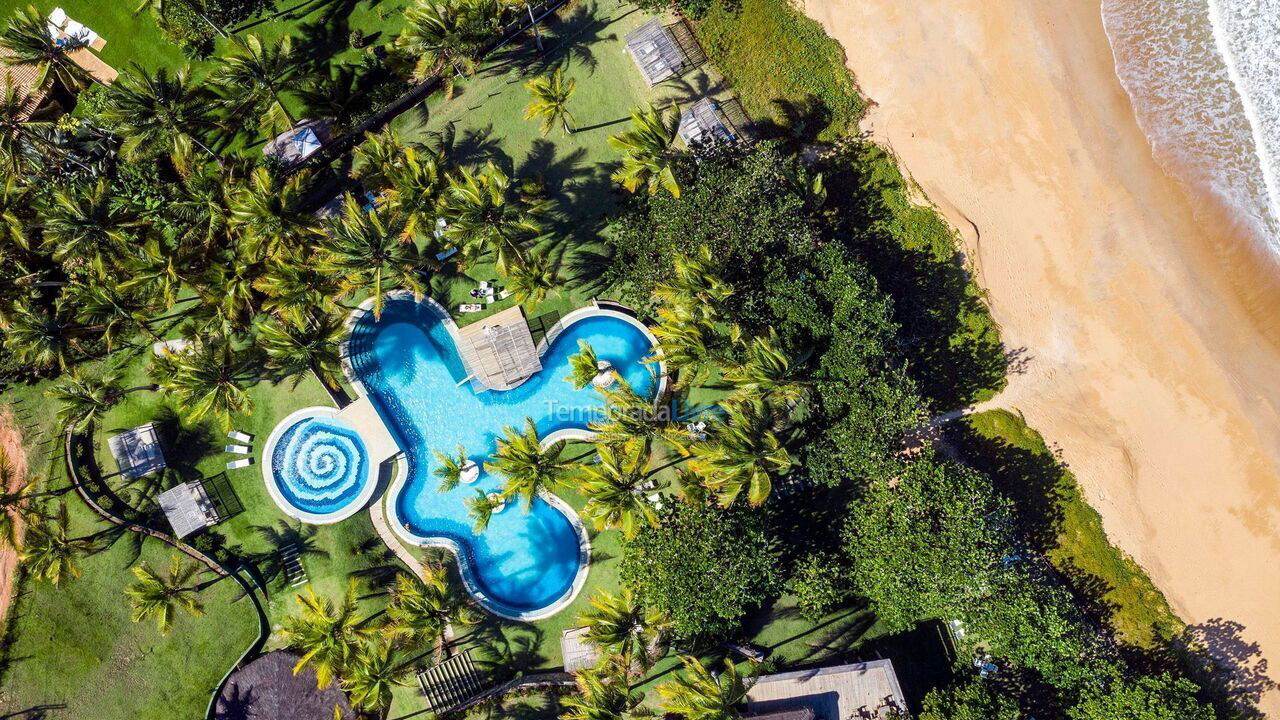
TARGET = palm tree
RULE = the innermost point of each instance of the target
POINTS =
(327, 637)
(16, 506)
(481, 508)
(83, 227)
(551, 95)
(530, 280)
(157, 112)
(50, 553)
(696, 288)
(697, 694)
(604, 693)
(315, 347)
(373, 676)
(483, 215)
(377, 157)
(741, 453)
(253, 77)
(447, 34)
(415, 184)
(615, 487)
(161, 596)
(210, 378)
(26, 36)
(19, 133)
(527, 466)
(647, 157)
(584, 366)
(627, 416)
(620, 625)
(160, 7)
(423, 609)
(298, 292)
(41, 338)
(102, 306)
(273, 214)
(363, 248)
(451, 467)
(85, 395)
(767, 372)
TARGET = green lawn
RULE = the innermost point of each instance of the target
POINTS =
(1060, 521)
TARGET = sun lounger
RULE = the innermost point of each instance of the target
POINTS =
(237, 464)
(504, 294)
(238, 449)
(170, 346)
(58, 17)
(240, 437)
(470, 307)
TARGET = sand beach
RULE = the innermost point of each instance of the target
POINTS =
(1144, 320)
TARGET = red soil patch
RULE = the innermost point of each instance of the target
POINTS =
(11, 444)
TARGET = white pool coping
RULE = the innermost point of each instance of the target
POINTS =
(392, 496)
(273, 488)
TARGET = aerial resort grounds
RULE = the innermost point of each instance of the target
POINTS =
(459, 358)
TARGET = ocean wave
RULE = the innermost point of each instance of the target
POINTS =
(1202, 75)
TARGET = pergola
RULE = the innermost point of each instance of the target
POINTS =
(450, 683)
(655, 52)
(188, 508)
(499, 352)
(299, 143)
(138, 452)
(24, 79)
(704, 122)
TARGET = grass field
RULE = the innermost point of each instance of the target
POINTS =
(1051, 507)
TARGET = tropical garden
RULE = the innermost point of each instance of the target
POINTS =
(810, 316)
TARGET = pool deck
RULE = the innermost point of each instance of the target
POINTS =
(378, 441)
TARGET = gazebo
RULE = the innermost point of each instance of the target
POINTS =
(575, 650)
(138, 452)
(499, 352)
(450, 683)
(656, 52)
(868, 689)
(704, 122)
(188, 508)
(300, 142)
(268, 689)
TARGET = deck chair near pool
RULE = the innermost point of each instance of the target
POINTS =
(237, 449)
(470, 307)
(240, 437)
(237, 464)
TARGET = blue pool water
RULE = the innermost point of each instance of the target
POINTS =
(320, 465)
(524, 561)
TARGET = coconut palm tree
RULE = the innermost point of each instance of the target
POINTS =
(422, 610)
(115, 314)
(315, 347)
(162, 595)
(272, 214)
(26, 36)
(697, 694)
(584, 366)
(328, 637)
(84, 228)
(451, 467)
(22, 137)
(481, 507)
(160, 8)
(444, 35)
(298, 292)
(363, 249)
(741, 452)
(531, 279)
(628, 416)
(620, 625)
(157, 112)
(16, 503)
(647, 157)
(84, 395)
(375, 159)
(767, 372)
(49, 552)
(696, 288)
(42, 338)
(603, 693)
(208, 379)
(527, 466)
(371, 678)
(415, 185)
(615, 487)
(550, 102)
(253, 77)
(485, 213)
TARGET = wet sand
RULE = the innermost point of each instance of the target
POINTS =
(1145, 324)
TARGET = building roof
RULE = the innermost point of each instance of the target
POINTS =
(703, 122)
(499, 352)
(655, 52)
(22, 78)
(832, 693)
(137, 451)
(300, 142)
(804, 713)
(268, 689)
(188, 508)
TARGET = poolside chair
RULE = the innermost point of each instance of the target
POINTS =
(470, 307)
(484, 285)
(238, 449)
(240, 437)
(504, 294)
(58, 17)
(237, 464)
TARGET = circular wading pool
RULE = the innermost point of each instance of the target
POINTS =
(317, 468)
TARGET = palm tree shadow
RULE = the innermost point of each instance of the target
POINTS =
(280, 538)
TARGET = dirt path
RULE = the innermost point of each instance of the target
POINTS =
(11, 444)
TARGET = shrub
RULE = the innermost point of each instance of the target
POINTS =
(821, 584)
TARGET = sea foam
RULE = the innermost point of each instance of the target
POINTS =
(1204, 77)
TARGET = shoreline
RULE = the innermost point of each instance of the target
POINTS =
(1147, 316)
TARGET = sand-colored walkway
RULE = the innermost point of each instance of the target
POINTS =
(1152, 362)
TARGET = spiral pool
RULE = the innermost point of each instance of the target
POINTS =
(317, 467)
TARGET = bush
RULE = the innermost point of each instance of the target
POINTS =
(704, 565)
(821, 584)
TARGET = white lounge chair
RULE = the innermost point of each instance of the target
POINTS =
(504, 294)
(240, 437)
(165, 347)
(470, 307)
(237, 464)
(58, 17)
(238, 449)
(484, 285)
